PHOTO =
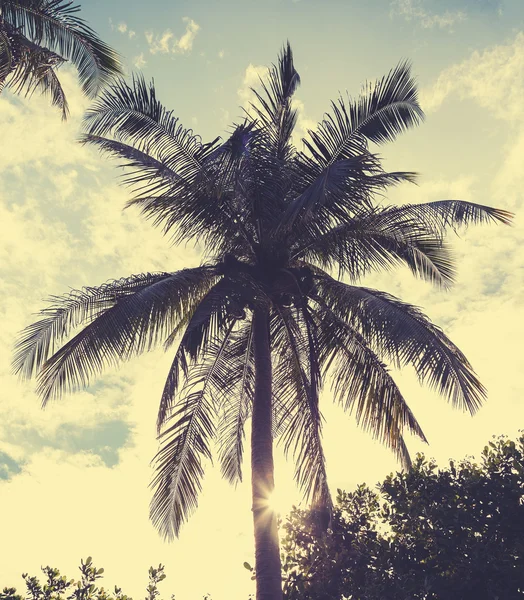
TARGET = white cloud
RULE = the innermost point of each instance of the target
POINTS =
(159, 43)
(304, 123)
(184, 45)
(50, 135)
(139, 61)
(415, 10)
(493, 78)
(124, 29)
(251, 79)
(165, 42)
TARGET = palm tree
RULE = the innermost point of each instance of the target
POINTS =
(37, 36)
(264, 320)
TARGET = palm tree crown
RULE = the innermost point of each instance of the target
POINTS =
(287, 235)
(37, 36)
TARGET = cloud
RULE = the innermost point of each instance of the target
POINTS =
(123, 29)
(251, 79)
(303, 124)
(166, 43)
(139, 61)
(493, 78)
(184, 45)
(159, 43)
(415, 10)
(221, 54)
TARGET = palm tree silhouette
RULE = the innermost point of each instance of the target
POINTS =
(263, 321)
(37, 36)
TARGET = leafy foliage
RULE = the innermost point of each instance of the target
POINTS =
(37, 36)
(428, 533)
(58, 587)
(277, 226)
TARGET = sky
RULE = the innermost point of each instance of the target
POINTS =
(74, 477)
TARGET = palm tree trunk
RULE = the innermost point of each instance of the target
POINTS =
(267, 555)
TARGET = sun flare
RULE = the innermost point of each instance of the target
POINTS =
(280, 502)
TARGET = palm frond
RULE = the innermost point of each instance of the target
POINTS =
(133, 114)
(363, 386)
(440, 214)
(123, 319)
(35, 71)
(345, 182)
(373, 241)
(323, 195)
(388, 107)
(188, 187)
(383, 111)
(55, 25)
(178, 463)
(38, 341)
(297, 392)
(273, 110)
(237, 407)
(145, 167)
(7, 61)
(204, 320)
(403, 334)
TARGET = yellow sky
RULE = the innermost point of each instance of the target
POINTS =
(62, 226)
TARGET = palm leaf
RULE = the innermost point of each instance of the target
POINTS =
(301, 422)
(133, 114)
(403, 334)
(273, 111)
(344, 181)
(133, 321)
(237, 407)
(178, 463)
(38, 341)
(363, 386)
(35, 70)
(145, 167)
(383, 111)
(441, 214)
(6, 53)
(204, 320)
(182, 182)
(374, 241)
(56, 25)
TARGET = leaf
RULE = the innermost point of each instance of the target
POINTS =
(55, 25)
(404, 335)
(186, 439)
(383, 110)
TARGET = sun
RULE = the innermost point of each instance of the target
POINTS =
(280, 502)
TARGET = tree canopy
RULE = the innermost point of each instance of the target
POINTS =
(428, 533)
